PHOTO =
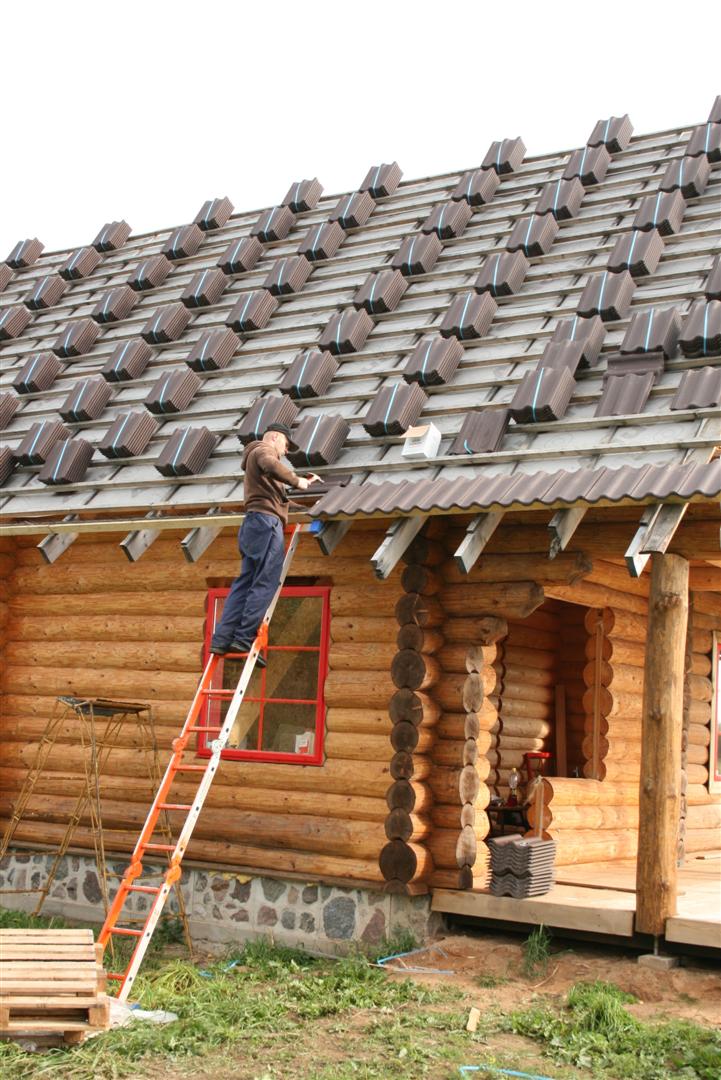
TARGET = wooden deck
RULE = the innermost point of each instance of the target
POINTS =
(600, 898)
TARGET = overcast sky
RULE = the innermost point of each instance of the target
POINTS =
(145, 108)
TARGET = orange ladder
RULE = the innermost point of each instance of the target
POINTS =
(163, 801)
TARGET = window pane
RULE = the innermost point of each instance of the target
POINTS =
(291, 674)
(296, 621)
(289, 729)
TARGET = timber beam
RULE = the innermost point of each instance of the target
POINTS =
(52, 547)
(330, 534)
(397, 539)
(136, 543)
(562, 526)
(199, 539)
(654, 534)
(478, 533)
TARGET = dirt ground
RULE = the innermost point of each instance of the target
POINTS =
(691, 991)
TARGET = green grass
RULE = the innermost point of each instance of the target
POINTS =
(595, 1031)
(536, 953)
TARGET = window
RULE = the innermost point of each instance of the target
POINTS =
(282, 717)
(714, 768)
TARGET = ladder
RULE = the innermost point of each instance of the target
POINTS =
(163, 802)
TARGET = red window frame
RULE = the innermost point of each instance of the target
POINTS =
(317, 757)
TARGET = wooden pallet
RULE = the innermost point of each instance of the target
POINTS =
(52, 982)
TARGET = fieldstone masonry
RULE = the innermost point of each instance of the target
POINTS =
(229, 907)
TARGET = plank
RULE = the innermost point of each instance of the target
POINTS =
(703, 932)
(50, 952)
(589, 910)
(20, 1001)
(46, 935)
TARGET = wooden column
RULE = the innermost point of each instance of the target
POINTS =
(662, 724)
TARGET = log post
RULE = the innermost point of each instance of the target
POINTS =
(659, 793)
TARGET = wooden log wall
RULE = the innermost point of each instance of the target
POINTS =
(406, 860)
(7, 565)
(700, 810)
(92, 624)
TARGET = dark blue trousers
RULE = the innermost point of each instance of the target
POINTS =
(260, 542)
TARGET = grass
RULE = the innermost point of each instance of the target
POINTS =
(595, 1031)
(536, 953)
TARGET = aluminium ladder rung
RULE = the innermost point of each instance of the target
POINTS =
(190, 768)
(174, 806)
(126, 931)
(144, 888)
(159, 847)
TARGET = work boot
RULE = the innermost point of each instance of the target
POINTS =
(245, 647)
(218, 650)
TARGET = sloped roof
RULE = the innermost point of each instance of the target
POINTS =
(488, 375)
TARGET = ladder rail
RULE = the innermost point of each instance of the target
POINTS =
(173, 872)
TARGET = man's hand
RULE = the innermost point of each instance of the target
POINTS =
(304, 482)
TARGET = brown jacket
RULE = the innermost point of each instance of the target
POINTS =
(265, 478)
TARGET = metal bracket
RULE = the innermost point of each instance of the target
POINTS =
(397, 539)
(136, 543)
(199, 539)
(478, 533)
(331, 533)
(562, 526)
(52, 547)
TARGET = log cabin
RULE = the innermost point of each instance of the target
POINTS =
(509, 379)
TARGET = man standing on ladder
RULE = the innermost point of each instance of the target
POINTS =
(260, 540)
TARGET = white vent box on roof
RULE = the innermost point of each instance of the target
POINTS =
(421, 442)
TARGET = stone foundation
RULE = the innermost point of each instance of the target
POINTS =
(228, 907)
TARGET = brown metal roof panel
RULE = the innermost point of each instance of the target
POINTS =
(128, 361)
(352, 211)
(395, 408)
(213, 351)
(46, 292)
(502, 274)
(310, 374)
(319, 440)
(448, 220)
(689, 174)
(322, 241)
(252, 310)
(608, 295)
(712, 286)
(67, 463)
(116, 304)
(505, 156)
(214, 214)
(613, 133)
(417, 254)
(39, 441)
(77, 339)
(636, 251)
(240, 255)
(434, 360)
(183, 242)
(625, 395)
(303, 195)
(8, 407)
(477, 186)
(150, 273)
(112, 236)
(533, 235)
(128, 435)
(589, 332)
(590, 165)
(382, 180)
(663, 211)
(6, 275)
(705, 139)
(86, 400)
(635, 363)
(173, 391)
(288, 275)
(38, 373)
(7, 464)
(166, 324)
(562, 198)
(543, 394)
(186, 452)
(655, 330)
(381, 292)
(699, 389)
(271, 409)
(701, 334)
(481, 432)
(714, 116)
(346, 331)
(25, 253)
(469, 316)
(566, 354)
(205, 288)
(13, 321)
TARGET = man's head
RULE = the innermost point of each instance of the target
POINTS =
(279, 436)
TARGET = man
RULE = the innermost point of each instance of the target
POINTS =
(260, 540)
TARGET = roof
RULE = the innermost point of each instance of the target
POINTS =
(659, 452)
